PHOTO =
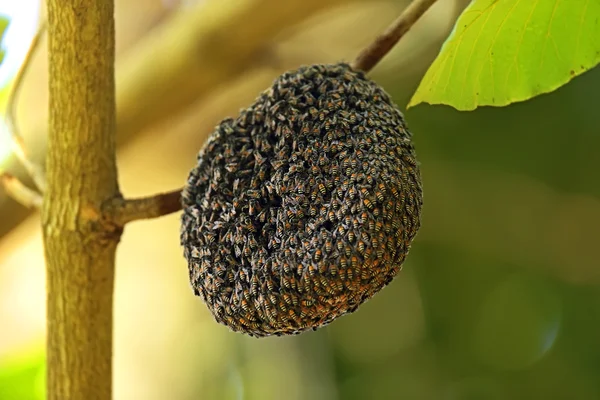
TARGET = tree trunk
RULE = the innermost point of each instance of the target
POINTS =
(80, 243)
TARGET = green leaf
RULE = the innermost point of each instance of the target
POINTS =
(505, 51)
(3, 25)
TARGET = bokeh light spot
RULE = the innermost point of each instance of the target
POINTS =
(518, 324)
(23, 15)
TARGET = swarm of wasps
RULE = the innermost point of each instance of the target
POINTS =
(304, 206)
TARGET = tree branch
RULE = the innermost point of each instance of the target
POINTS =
(11, 107)
(122, 211)
(80, 246)
(34, 170)
(125, 211)
(19, 192)
(374, 52)
(190, 56)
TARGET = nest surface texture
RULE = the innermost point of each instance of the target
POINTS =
(304, 206)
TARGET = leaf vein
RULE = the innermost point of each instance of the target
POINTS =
(518, 49)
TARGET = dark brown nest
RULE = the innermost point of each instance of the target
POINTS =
(304, 206)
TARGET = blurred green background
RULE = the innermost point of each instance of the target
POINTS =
(498, 299)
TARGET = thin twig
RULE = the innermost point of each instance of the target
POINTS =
(35, 171)
(122, 211)
(11, 107)
(20, 193)
(376, 50)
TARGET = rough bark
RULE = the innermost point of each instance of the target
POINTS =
(79, 244)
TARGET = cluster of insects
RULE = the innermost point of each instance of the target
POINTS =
(304, 206)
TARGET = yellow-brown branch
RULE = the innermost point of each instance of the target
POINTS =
(81, 172)
(374, 52)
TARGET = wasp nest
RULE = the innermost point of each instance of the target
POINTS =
(304, 206)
